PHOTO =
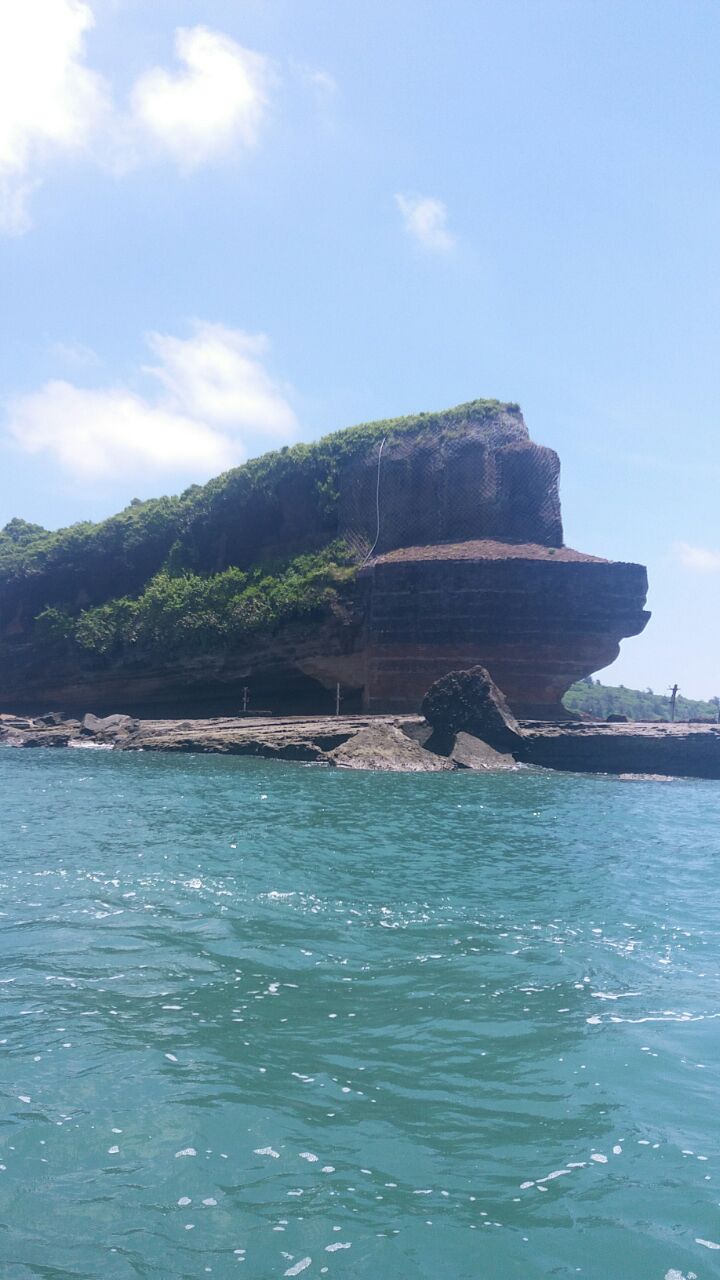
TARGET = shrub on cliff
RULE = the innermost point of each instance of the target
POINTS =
(187, 611)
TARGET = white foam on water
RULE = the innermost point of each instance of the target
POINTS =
(186, 1151)
(184, 1201)
(23, 1097)
(707, 1244)
(302, 1265)
(171, 1057)
(267, 1151)
(333, 1248)
(598, 1158)
(209, 1201)
(613, 995)
(113, 1151)
(309, 1156)
(617, 1150)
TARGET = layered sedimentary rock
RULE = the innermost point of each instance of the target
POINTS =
(537, 617)
(454, 523)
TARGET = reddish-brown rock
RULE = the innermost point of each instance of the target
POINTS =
(461, 513)
(538, 618)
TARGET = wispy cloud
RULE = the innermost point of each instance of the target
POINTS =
(215, 392)
(54, 105)
(425, 220)
(322, 84)
(698, 559)
(75, 355)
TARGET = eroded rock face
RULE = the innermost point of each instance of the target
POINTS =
(468, 568)
(477, 480)
(537, 618)
(470, 702)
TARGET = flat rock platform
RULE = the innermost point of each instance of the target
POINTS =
(389, 742)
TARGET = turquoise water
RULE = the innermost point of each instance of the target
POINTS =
(262, 1020)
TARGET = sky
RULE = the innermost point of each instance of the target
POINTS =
(232, 224)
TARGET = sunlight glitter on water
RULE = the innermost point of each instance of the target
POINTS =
(401, 1011)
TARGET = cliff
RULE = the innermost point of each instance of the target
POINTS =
(378, 558)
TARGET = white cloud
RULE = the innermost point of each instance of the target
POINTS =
(103, 433)
(215, 393)
(218, 100)
(50, 102)
(699, 559)
(218, 376)
(425, 219)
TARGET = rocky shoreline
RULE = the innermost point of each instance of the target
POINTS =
(407, 743)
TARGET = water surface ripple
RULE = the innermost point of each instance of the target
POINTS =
(261, 1020)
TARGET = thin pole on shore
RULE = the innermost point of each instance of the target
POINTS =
(245, 698)
(673, 700)
(337, 698)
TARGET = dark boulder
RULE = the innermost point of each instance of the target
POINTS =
(616, 717)
(470, 702)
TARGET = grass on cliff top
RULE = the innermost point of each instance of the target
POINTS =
(188, 612)
(150, 528)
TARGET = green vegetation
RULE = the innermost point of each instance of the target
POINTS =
(599, 701)
(130, 547)
(187, 612)
(28, 549)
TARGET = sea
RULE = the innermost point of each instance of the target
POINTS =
(260, 1020)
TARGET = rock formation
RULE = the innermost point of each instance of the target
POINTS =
(454, 523)
(470, 702)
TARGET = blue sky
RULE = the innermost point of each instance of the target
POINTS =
(230, 224)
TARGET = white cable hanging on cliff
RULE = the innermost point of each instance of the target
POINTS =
(377, 505)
